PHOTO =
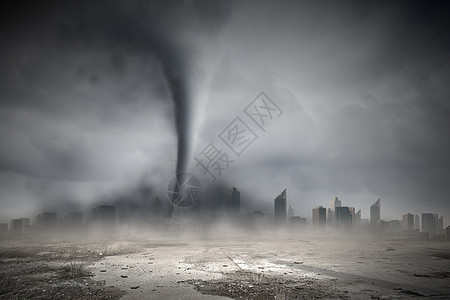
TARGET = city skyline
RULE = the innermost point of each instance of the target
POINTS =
(228, 206)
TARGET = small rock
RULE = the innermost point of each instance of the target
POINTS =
(124, 276)
(298, 262)
(134, 287)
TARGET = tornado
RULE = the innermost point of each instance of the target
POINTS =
(178, 85)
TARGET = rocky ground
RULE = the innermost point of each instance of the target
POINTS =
(251, 267)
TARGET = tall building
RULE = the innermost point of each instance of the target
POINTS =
(319, 216)
(332, 211)
(375, 214)
(234, 202)
(429, 223)
(343, 217)
(280, 208)
(408, 222)
(358, 218)
(440, 225)
(290, 213)
(335, 203)
(330, 217)
(353, 212)
(447, 233)
(416, 222)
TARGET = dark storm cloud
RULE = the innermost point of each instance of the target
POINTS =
(86, 84)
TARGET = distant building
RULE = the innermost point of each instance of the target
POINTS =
(332, 211)
(440, 225)
(381, 225)
(46, 221)
(429, 223)
(290, 212)
(343, 217)
(447, 233)
(416, 222)
(358, 218)
(105, 217)
(74, 220)
(234, 202)
(319, 216)
(408, 222)
(335, 203)
(330, 217)
(297, 222)
(280, 208)
(375, 214)
(16, 226)
(352, 211)
(26, 225)
(395, 226)
(3, 228)
(365, 222)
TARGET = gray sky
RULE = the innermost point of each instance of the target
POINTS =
(86, 113)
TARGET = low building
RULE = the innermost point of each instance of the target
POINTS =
(3, 228)
(47, 221)
(16, 227)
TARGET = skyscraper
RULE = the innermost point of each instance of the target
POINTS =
(408, 222)
(358, 218)
(335, 203)
(353, 212)
(375, 215)
(343, 217)
(280, 208)
(332, 212)
(234, 202)
(319, 216)
(429, 223)
(416, 222)
(440, 225)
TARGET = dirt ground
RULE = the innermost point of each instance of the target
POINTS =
(306, 266)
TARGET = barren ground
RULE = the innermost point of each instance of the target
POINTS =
(304, 266)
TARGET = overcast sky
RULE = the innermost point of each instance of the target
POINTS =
(86, 112)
